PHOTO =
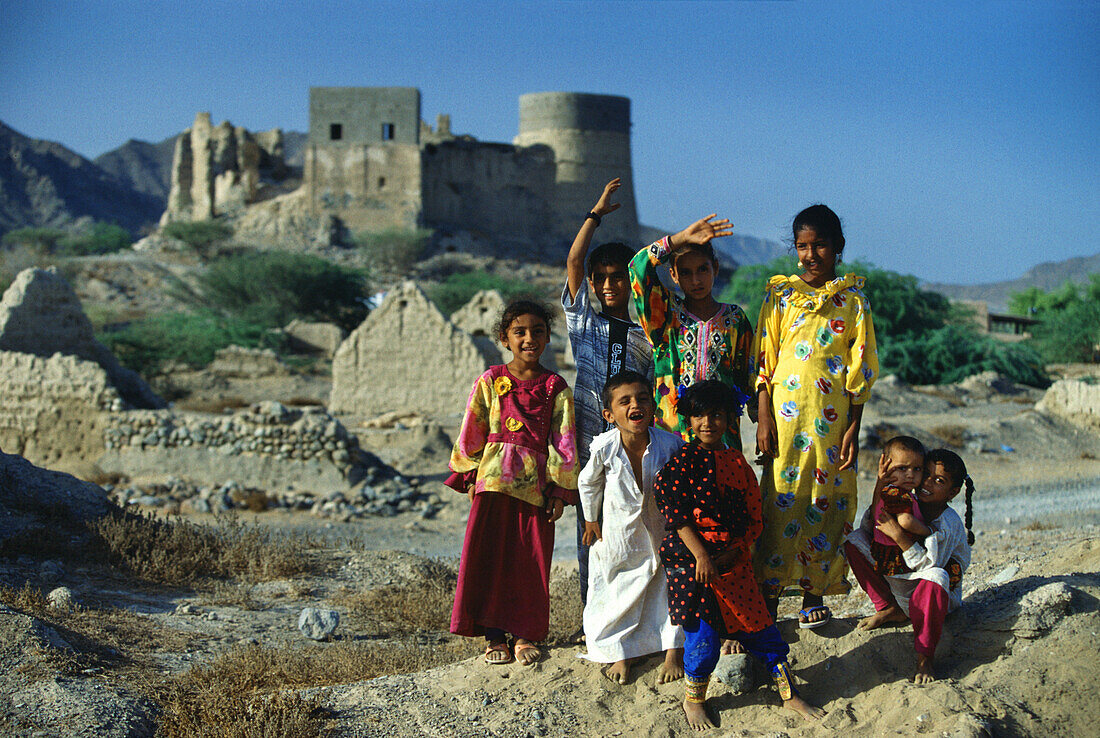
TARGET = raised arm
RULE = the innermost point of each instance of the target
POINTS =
(574, 263)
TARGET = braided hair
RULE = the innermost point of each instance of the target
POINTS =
(953, 465)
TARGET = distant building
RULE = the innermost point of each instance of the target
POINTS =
(371, 162)
(1002, 326)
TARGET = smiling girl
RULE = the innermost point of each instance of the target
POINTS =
(516, 458)
(815, 363)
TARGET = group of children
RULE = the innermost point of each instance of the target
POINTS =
(679, 549)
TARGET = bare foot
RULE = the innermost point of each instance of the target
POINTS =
(527, 653)
(697, 716)
(925, 674)
(804, 708)
(892, 614)
(619, 672)
(673, 667)
(732, 646)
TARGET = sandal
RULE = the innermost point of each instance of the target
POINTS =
(808, 613)
(522, 648)
(495, 648)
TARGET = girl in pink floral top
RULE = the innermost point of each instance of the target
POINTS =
(516, 456)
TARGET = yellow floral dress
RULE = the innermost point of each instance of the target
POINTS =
(815, 351)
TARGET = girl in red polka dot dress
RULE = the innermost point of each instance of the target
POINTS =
(710, 498)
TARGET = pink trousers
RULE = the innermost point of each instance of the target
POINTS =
(927, 606)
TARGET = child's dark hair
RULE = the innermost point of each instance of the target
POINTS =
(626, 376)
(703, 398)
(953, 465)
(906, 442)
(823, 220)
(703, 249)
(517, 308)
(612, 254)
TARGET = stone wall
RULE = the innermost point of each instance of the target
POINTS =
(269, 446)
(369, 187)
(490, 188)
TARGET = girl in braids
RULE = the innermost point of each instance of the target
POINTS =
(933, 586)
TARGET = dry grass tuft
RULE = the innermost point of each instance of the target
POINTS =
(176, 552)
(101, 638)
(237, 694)
(952, 435)
(1040, 525)
(416, 605)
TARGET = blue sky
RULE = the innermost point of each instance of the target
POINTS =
(958, 141)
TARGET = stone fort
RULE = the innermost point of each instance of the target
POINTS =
(373, 164)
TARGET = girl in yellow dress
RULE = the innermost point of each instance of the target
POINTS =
(815, 363)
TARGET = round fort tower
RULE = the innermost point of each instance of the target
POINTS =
(590, 137)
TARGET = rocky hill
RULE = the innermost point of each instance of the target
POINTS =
(1047, 276)
(42, 183)
(143, 166)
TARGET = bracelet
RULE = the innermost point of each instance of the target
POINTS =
(594, 216)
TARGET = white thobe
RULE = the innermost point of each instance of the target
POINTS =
(927, 560)
(627, 611)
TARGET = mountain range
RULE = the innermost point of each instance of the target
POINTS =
(1046, 276)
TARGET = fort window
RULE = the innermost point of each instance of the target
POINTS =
(381, 182)
(387, 131)
(335, 131)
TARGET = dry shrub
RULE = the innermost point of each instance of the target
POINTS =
(234, 594)
(952, 435)
(238, 693)
(176, 552)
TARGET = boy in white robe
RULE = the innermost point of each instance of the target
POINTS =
(626, 615)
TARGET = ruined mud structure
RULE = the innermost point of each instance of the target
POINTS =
(371, 164)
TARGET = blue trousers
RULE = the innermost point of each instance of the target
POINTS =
(703, 644)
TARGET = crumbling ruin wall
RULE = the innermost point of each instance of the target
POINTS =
(54, 409)
(40, 314)
(1075, 400)
(405, 356)
(220, 169)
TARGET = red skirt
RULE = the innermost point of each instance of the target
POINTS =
(504, 573)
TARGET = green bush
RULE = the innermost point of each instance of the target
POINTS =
(746, 286)
(271, 288)
(39, 239)
(147, 345)
(1069, 320)
(201, 235)
(457, 289)
(916, 330)
(103, 238)
(395, 249)
(953, 353)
